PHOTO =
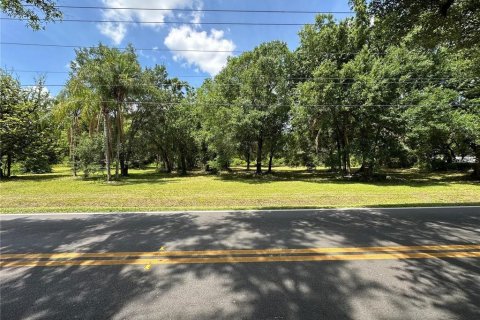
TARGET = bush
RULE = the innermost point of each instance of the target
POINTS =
(90, 153)
(221, 162)
(279, 162)
(36, 163)
(237, 162)
(39, 156)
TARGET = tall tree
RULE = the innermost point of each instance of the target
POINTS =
(322, 60)
(112, 75)
(28, 10)
(217, 114)
(77, 108)
(160, 120)
(27, 132)
(14, 124)
(257, 87)
(454, 23)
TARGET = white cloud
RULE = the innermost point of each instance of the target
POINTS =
(197, 15)
(187, 38)
(116, 31)
(183, 37)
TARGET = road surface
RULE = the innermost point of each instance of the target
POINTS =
(411, 263)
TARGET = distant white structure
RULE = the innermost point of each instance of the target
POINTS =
(466, 159)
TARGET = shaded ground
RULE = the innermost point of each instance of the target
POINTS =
(396, 289)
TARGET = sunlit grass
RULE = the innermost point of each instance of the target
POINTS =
(146, 190)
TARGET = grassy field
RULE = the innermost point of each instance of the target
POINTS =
(146, 190)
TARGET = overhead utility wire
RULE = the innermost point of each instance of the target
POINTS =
(200, 10)
(420, 79)
(159, 49)
(67, 72)
(304, 105)
(233, 84)
(239, 23)
(119, 48)
(290, 78)
(230, 104)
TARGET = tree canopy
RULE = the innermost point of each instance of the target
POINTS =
(376, 90)
(35, 12)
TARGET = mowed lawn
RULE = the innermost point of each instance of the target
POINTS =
(146, 190)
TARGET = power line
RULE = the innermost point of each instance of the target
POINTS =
(239, 23)
(160, 49)
(293, 103)
(166, 49)
(201, 10)
(239, 103)
(415, 79)
(291, 78)
(119, 48)
(230, 104)
(35, 71)
(67, 72)
(432, 82)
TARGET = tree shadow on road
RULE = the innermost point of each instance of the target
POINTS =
(430, 289)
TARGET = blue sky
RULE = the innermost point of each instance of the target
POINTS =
(162, 37)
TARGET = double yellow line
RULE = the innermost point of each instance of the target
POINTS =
(237, 256)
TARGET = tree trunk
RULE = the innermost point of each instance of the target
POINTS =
(106, 143)
(70, 148)
(346, 151)
(449, 154)
(168, 165)
(476, 166)
(117, 162)
(339, 155)
(122, 154)
(270, 162)
(248, 159)
(117, 153)
(1, 166)
(157, 162)
(348, 165)
(124, 167)
(341, 166)
(73, 148)
(373, 157)
(125, 156)
(259, 156)
(9, 164)
(124, 161)
(184, 164)
(166, 161)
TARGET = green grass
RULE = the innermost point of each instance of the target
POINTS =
(146, 190)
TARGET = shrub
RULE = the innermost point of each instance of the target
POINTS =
(90, 153)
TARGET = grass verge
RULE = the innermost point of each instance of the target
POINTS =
(146, 190)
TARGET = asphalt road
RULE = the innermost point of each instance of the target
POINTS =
(403, 284)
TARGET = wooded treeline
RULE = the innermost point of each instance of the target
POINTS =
(375, 90)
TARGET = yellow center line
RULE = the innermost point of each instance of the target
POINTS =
(71, 255)
(379, 256)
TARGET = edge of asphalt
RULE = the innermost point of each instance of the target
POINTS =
(2, 215)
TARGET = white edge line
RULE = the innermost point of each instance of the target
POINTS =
(229, 211)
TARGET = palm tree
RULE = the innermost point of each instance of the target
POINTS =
(111, 75)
